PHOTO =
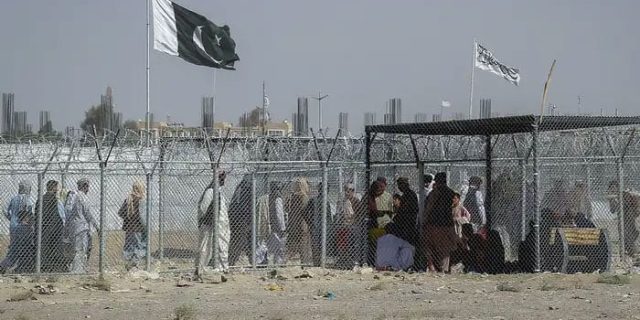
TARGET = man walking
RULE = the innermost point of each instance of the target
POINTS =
(79, 226)
(18, 213)
(207, 220)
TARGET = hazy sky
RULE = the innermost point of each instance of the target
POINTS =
(61, 55)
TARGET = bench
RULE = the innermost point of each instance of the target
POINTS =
(572, 250)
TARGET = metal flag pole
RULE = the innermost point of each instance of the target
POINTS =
(147, 125)
(215, 97)
(473, 71)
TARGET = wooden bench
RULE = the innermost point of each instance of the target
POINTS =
(571, 250)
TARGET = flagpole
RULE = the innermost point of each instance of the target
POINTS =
(148, 125)
(473, 71)
(215, 97)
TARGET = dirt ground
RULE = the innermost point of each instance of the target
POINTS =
(326, 294)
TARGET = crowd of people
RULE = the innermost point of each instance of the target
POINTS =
(428, 230)
(398, 231)
(425, 235)
(67, 226)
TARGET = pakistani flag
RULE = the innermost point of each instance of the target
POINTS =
(181, 32)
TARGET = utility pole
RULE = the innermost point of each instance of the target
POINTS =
(319, 98)
(579, 105)
(264, 112)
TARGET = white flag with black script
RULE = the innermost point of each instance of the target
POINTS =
(181, 32)
(484, 60)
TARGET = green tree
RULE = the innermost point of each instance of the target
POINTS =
(96, 116)
(130, 124)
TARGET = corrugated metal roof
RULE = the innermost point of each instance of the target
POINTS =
(503, 125)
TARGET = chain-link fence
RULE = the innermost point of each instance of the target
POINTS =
(518, 194)
(113, 203)
(524, 201)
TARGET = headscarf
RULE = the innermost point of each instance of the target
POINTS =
(376, 188)
(137, 194)
(24, 187)
(301, 187)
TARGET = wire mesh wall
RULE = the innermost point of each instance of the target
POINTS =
(298, 201)
(546, 197)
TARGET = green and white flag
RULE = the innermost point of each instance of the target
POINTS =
(181, 32)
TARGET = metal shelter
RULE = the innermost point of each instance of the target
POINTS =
(490, 130)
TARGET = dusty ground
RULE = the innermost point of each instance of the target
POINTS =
(328, 295)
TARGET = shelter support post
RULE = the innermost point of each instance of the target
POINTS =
(536, 195)
(489, 184)
(523, 204)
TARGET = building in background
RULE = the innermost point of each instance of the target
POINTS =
(485, 108)
(421, 117)
(343, 122)
(459, 116)
(436, 117)
(179, 130)
(8, 105)
(301, 118)
(116, 121)
(45, 121)
(394, 111)
(106, 110)
(369, 118)
(20, 122)
(206, 116)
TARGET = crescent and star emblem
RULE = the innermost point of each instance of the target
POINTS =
(197, 39)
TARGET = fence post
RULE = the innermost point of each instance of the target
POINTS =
(216, 219)
(39, 225)
(536, 195)
(323, 257)
(254, 220)
(161, 212)
(621, 230)
(148, 215)
(101, 258)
